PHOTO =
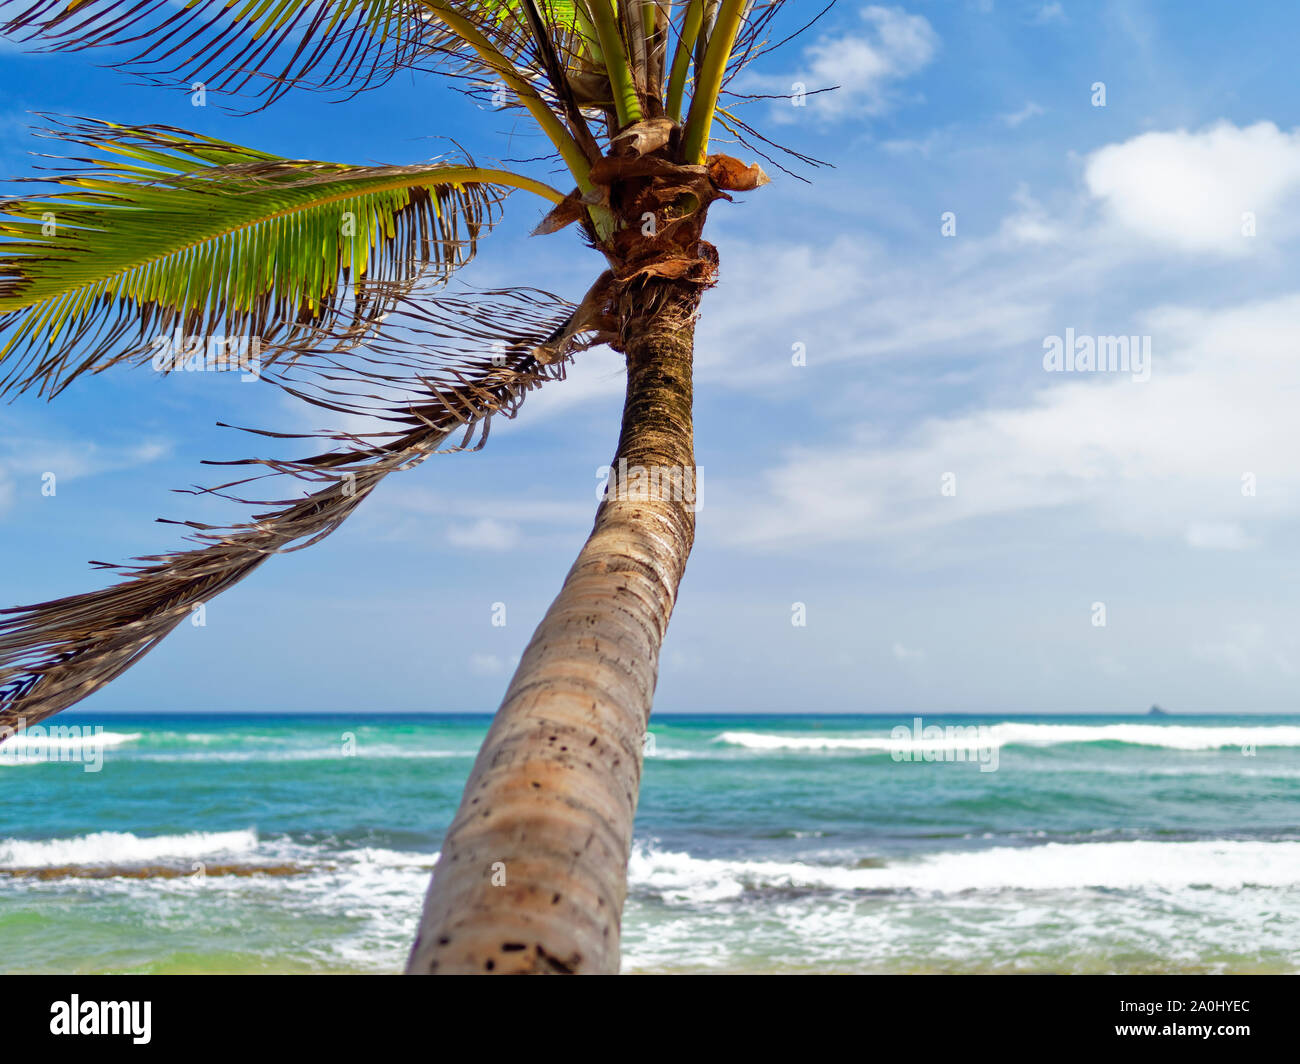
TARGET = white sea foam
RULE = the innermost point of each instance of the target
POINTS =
(369, 896)
(123, 848)
(1010, 733)
(994, 901)
(1225, 865)
(24, 745)
(888, 744)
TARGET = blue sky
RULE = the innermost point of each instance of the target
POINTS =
(824, 484)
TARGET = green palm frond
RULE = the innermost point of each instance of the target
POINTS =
(507, 22)
(232, 45)
(561, 13)
(493, 41)
(574, 65)
(163, 229)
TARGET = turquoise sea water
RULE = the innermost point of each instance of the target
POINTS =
(285, 844)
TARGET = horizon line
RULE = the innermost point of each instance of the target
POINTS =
(682, 713)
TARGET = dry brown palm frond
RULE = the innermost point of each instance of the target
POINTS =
(54, 654)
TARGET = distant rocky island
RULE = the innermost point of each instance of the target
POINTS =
(1156, 711)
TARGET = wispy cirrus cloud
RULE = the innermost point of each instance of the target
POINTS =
(1050, 13)
(1014, 119)
(1105, 453)
(25, 460)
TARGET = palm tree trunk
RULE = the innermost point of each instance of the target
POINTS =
(533, 871)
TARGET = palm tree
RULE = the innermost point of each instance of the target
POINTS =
(160, 246)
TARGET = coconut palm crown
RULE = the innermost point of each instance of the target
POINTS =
(152, 245)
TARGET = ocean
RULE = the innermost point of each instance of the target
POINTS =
(763, 844)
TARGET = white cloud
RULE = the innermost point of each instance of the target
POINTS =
(848, 301)
(974, 298)
(1048, 13)
(1164, 459)
(485, 534)
(1015, 118)
(25, 459)
(599, 374)
(424, 503)
(925, 146)
(491, 664)
(1251, 649)
(403, 512)
(1218, 535)
(1031, 224)
(1190, 190)
(866, 66)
